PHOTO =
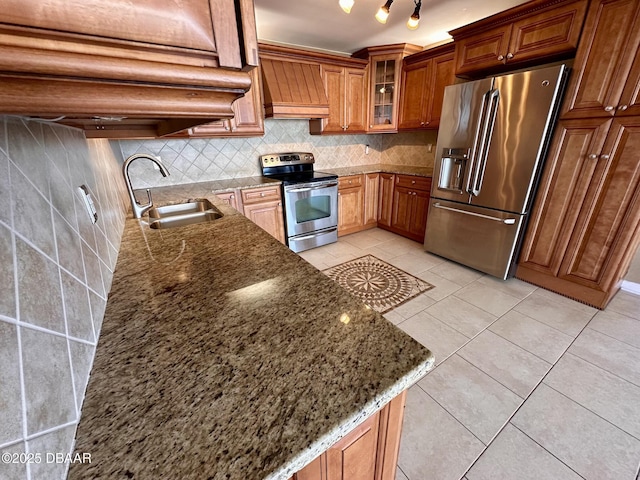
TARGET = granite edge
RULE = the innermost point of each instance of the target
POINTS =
(339, 431)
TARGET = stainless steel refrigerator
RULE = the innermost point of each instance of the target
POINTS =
(492, 140)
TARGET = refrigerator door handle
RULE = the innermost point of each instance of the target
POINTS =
(487, 131)
(506, 221)
(473, 156)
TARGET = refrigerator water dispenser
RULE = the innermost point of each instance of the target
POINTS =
(452, 169)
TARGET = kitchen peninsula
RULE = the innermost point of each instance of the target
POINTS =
(224, 355)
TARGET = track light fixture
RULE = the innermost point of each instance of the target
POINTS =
(383, 12)
(346, 5)
(412, 23)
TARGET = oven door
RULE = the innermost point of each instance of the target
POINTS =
(311, 206)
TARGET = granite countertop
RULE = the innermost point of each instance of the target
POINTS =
(381, 168)
(224, 355)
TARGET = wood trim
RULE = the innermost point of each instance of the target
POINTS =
(20, 95)
(283, 52)
(424, 55)
(78, 65)
(580, 293)
(404, 49)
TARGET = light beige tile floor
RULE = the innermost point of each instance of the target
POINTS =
(528, 384)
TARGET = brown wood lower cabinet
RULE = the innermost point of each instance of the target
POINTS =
(369, 452)
(357, 203)
(407, 213)
(350, 204)
(261, 205)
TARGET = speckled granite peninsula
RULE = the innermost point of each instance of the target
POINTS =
(224, 355)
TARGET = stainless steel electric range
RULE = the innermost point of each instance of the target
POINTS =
(310, 199)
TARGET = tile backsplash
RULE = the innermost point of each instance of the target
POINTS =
(199, 160)
(55, 271)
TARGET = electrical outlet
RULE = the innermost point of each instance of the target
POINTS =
(366, 149)
(85, 194)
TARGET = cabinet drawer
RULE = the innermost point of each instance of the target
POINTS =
(262, 194)
(349, 182)
(411, 181)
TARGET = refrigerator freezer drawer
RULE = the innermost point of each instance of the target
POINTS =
(477, 237)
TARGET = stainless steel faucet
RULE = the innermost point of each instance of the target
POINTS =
(139, 210)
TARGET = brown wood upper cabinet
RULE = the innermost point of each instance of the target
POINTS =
(533, 33)
(385, 66)
(606, 76)
(424, 77)
(346, 88)
(248, 118)
(122, 68)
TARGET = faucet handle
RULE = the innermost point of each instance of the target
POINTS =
(149, 199)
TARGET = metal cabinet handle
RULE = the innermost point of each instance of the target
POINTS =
(622, 108)
(609, 108)
(500, 58)
(605, 157)
(509, 56)
(593, 156)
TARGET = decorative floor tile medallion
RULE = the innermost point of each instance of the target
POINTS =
(378, 284)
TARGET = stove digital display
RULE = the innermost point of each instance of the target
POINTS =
(289, 158)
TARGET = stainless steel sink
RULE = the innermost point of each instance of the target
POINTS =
(181, 214)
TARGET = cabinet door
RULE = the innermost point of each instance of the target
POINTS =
(442, 76)
(605, 236)
(608, 47)
(333, 78)
(230, 198)
(413, 105)
(483, 51)
(316, 470)
(350, 204)
(385, 199)
(630, 102)
(249, 114)
(419, 211)
(402, 208)
(268, 216)
(354, 457)
(547, 34)
(568, 172)
(383, 100)
(355, 100)
(371, 192)
(248, 117)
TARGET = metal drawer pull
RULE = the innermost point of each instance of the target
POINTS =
(506, 221)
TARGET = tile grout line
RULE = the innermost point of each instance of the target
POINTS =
(508, 421)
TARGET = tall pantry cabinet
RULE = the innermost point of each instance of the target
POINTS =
(585, 223)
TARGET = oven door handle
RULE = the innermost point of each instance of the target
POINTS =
(313, 235)
(317, 187)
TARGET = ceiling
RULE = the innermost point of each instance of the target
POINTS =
(323, 25)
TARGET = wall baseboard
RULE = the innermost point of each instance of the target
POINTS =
(631, 287)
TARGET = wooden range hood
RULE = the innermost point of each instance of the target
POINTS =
(293, 86)
(122, 69)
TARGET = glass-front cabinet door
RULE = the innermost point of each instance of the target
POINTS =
(384, 70)
(383, 106)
